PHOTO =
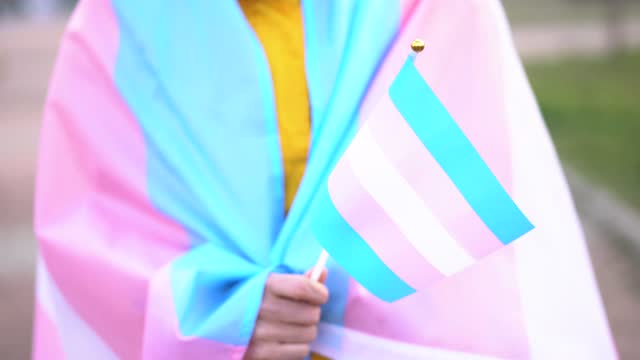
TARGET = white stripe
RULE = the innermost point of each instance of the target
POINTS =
(399, 200)
(78, 340)
(337, 342)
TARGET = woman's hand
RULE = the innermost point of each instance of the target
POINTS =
(288, 318)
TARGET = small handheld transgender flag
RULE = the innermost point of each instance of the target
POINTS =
(412, 201)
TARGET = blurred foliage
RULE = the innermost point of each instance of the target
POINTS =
(591, 106)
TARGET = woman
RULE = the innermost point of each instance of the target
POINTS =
(172, 210)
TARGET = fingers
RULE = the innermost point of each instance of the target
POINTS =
(268, 331)
(288, 317)
(278, 309)
(297, 288)
(271, 350)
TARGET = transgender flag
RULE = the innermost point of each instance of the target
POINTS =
(412, 200)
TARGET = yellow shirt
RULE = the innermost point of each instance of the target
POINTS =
(278, 25)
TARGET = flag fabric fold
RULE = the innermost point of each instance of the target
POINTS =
(159, 210)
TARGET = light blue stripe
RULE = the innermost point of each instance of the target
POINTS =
(353, 253)
(457, 156)
(340, 61)
(193, 75)
(337, 279)
(273, 141)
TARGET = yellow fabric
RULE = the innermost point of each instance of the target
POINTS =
(278, 25)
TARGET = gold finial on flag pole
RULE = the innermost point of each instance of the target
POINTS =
(417, 45)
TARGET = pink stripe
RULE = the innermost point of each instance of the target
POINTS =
(81, 84)
(94, 220)
(468, 80)
(163, 339)
(471, 90)
(428, 179)
(477, 311)
(76, 338)
(339, 342)
(407, 7)
(46, 342)
(473, 96)
(370, 221)
(97, 24)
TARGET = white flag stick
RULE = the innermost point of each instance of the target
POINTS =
(317, 269)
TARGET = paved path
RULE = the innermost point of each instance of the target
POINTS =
(536, 42)
(616, 268)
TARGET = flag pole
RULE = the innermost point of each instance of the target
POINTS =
(417, 46)
(319, 266)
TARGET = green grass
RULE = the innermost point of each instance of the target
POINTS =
(592, 108)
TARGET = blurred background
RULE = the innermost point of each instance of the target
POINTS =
(583, 60)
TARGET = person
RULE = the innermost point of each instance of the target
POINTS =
(183, 144)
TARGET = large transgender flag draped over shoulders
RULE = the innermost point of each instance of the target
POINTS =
(159, 210)
(409, 172)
